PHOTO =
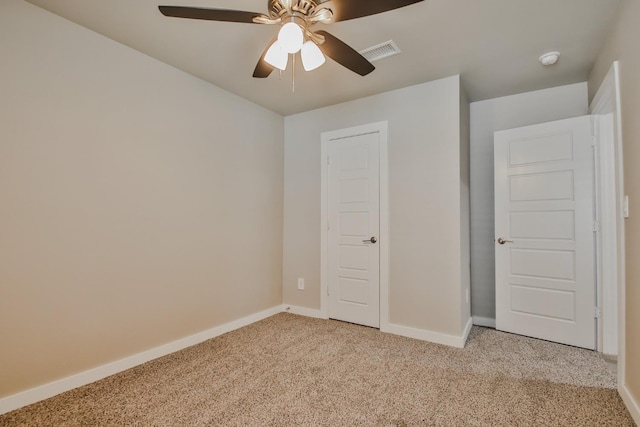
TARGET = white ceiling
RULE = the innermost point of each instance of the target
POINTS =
(493, 44)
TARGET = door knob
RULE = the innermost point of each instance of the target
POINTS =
(502, 241)
(371, 240)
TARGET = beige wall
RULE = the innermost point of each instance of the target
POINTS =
(138, 204)
(622, 45)
(424, 197)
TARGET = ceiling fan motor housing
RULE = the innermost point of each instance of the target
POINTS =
(282, 8)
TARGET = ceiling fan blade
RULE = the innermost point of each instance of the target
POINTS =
(344, 54)
(344, 10)
(263, 69)
(227, 15)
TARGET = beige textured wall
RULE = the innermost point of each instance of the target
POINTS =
(138, 204)
(424, 187)
(622, 45)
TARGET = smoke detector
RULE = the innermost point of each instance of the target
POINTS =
(549, 58)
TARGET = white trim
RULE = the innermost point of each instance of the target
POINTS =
(487, 322)
(630, 403)
(304, 311)
(606, 212)
(605, 111)
(324, 236)
(599, 221)
(382, 129)
(622, 280)
(434, 337)
(607, 101)
(51, 389)
(622, 257)
(405, 331)
(467, 331)
(385, 256)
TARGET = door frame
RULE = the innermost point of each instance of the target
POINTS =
(607, 101)
(326, 137)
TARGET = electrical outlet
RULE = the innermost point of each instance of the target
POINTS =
(301, 283)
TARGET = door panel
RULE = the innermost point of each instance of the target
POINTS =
(542, 225)
(353, 214)
(354, 257)
(541, 186)
(354, 224)
(547, 148)
(545, 266)
(536, 302)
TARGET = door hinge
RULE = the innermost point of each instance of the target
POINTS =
(597, 313)
(596, 225)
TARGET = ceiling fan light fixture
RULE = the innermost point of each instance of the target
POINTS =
(291, 37)
(312, 56)
(276, 56)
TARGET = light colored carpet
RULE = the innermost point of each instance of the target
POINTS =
(292, 370)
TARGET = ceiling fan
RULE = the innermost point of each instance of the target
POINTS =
(296, 19)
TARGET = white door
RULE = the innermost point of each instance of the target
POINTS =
(545, 278)
(353, 254)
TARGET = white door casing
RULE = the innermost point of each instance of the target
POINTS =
(354, 266)
(544, 211)
(605, 109)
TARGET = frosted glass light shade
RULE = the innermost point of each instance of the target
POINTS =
(276, 56)
(290, 37)
(312, 56)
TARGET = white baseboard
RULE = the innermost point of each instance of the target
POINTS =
(630, 403)
(405, 331)
(467, 331)
(435, 337)
(487, 322)
(51, 389)
(303, 311)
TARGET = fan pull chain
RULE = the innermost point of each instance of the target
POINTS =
(293, 74)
